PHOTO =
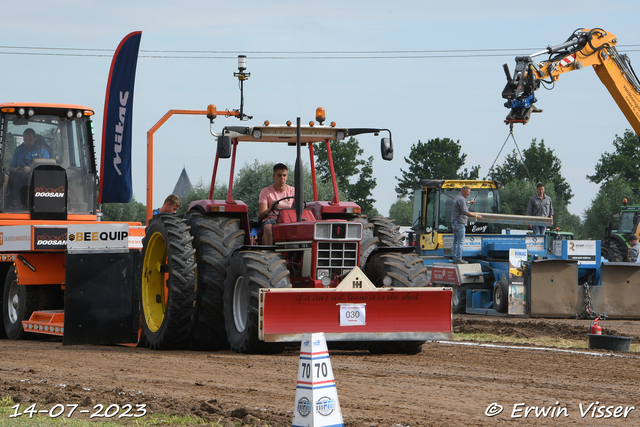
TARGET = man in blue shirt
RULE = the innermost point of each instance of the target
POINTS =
(26, 152)
(20, 167)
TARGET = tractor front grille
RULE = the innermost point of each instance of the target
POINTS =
(337, 257)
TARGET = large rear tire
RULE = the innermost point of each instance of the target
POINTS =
(369, 242)
(377, 232)
(386, 230)
(18, 303)
(215, 238)
(249, 271)
(616, 252)
(404, 270)
(168, 283)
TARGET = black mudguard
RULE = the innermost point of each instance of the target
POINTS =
(101, 304)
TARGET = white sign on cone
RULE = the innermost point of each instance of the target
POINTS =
(316, 395)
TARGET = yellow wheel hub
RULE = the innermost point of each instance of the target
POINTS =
(154, 277)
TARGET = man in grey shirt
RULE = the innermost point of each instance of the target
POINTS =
(459, 218)
(634, 248)
(540, 205)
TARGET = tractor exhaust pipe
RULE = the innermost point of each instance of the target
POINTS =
(299, 177)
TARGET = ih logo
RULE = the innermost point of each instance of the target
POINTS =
(43, 191)
(338, 230)
(357, 284)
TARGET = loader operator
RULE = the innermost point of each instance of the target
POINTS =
(271, 194)
(459, 217)
(20, 166)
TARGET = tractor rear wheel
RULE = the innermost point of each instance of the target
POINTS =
(168, 283)
(248, 272)
(369, 242)
(616, 252)
(18, 302)
(386, 230)
(215, 238)
(402, 270)
(501, 296)
(377, 232)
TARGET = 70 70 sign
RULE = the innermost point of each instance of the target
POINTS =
(321, 368)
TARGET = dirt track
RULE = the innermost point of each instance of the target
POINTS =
(445, 384)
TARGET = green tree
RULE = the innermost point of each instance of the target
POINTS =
(435, 159)
(124, 212)
(540, 165)
(515, 196)
(347, 164)
(607, 203)
(624, 162)
(402, 212)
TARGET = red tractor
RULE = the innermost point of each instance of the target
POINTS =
(206, 286)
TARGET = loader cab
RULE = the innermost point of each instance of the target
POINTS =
(61, 179)
(629, 220)
(433, 204)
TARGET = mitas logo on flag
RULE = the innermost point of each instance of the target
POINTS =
(115, 181)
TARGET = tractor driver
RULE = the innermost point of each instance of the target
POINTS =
(20, 167)
(269, 195)
(26, 152)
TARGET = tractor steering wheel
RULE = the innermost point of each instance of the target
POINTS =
(276, 210)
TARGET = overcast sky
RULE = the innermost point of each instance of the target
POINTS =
(423, 69)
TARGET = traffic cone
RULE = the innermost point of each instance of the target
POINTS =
(316, 395)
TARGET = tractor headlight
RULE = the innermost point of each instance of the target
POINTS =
(321, 273)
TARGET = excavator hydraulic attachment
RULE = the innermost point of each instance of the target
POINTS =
(520, 91)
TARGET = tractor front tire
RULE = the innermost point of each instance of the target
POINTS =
(215, 238)
(405, 270)
(18, 302)
(248, 272)
(168, 288)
